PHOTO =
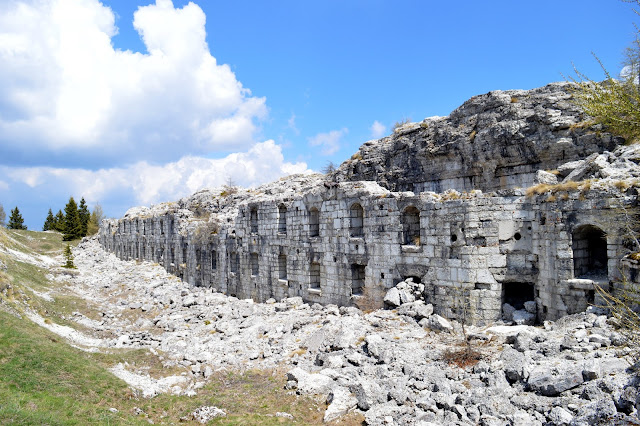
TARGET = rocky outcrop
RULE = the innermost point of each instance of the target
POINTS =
(494, 141)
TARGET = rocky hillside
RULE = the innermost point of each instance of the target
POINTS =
(400, 367)
(493, 141)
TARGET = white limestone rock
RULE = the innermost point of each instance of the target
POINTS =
(340, 401)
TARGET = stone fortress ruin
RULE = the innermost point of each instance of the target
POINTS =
(514, 197)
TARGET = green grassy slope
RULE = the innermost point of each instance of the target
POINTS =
(43, 380)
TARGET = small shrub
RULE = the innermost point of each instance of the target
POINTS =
(514, 99)
(462, 357)
(399, 124)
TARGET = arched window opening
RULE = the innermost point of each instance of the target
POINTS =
(254, 220)
(282, 219)
(282, 267)
(356, 220)
(314, 222)
(589, 252)
(314, 276)
(411, 226)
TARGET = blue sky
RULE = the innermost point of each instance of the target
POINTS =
(137, 102)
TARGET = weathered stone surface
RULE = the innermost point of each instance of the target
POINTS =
(552, 382)
(340, 401)
(438, 323)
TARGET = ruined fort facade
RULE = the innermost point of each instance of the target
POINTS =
(444, 202)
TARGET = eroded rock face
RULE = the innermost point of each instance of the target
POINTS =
(494, 141)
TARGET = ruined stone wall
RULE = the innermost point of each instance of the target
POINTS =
(472, 252)
(348, 237)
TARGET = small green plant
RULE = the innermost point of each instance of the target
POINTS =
(69, 258)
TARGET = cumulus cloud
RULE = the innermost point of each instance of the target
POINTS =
(378, 129)
(144, 183)
(68, 97)
(329, 142)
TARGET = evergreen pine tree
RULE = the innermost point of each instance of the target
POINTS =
(72, 226)
(16, 221)
(59, 222)
(3, 216)
(49, 222)
(83, 216)
(69, 258)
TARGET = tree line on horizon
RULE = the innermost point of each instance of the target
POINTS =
(76, 221)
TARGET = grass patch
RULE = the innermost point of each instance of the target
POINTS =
(46, 381)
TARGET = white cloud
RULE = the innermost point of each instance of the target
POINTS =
(68, 97)
(146, 184)
(378, 129)
(3, 185)
(330, 142)
(291, 124)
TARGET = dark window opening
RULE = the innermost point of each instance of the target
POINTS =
(516, 294)
(314, 222)
(411, 226)
(517, 236)
(454, 238)
(357, 279)
(282, 267)
(254, 221)
(314, 276)
(416, 279)
(253, 259)
(282, 219)
(589, 252)
(356, 220)
(214, 260)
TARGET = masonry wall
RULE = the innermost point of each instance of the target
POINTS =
(472, 253)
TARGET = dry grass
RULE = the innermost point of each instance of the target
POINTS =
(621, 185)
(543, 188)
(370, 299)
(472, 136)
